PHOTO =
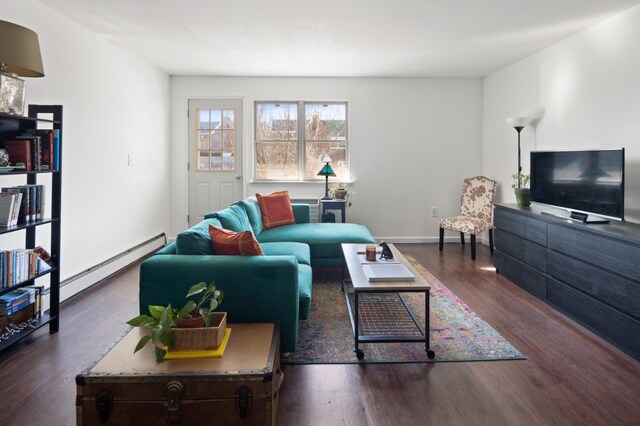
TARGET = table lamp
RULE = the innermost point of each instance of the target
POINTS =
(326, 171)
(19, 56)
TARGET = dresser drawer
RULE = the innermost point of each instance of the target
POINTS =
(528, 228)
(615, 326)
(614, 255)
(532, 254)
(524, 276)
(612, 289)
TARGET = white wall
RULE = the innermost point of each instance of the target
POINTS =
(589, 88)
(114, 104)
(413, 141)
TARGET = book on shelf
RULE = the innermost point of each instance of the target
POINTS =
(45, 145)
(9, 204)
(19, 151)
(16, 300)
(387, 272)
(31, 203)
(20, 265)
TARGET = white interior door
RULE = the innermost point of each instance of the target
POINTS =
(215, 155)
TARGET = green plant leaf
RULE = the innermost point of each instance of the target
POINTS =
(213, 305)
(167, 338)
(160, 353)
(166, 318)
(196, 289)
(156, 311)
(206, 315)
(188, 307)
(141, 343)
(140, 321)
(156, 333)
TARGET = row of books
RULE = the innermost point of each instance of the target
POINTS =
(20, 265)
(35, 149)
(21, 204)
(20, 299)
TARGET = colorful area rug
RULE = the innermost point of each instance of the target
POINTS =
(457, 333)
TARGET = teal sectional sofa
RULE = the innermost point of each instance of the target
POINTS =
(273, 287)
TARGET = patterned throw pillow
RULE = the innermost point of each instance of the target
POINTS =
(276, 209)
(234, 243)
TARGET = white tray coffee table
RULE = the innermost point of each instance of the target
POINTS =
(383, 317)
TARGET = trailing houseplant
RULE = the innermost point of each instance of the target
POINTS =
(340, 191)
(163, 321)
(521, 189)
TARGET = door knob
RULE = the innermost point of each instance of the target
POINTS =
(238, 177)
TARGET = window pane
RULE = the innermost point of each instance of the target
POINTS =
(276, 122)
(216, 119)
(277, 160)
(203, 139)
(228, 138)
(315, 152)
(203, 160)
(228, 161)
(216, 161)
(229, 121)
(216, 139)
(203, 119)
(325, 122)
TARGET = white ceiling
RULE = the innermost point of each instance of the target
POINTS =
(408, 38)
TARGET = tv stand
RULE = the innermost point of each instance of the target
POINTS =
(576, 217)
(590, 273)
(583, 217)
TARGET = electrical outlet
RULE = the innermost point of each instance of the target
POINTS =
(434, 212)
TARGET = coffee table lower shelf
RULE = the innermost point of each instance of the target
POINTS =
(382, 316)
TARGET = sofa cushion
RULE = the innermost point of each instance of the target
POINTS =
(196, 240)
(299, 250)
(233, 218)
(324, 239)
(252, 209)
(276, 209)
(226, 242)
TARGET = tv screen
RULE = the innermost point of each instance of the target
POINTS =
(589, 182)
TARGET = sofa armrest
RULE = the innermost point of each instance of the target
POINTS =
(301, 212)
(256, 288)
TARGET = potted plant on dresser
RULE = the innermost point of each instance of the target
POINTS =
(194, 327)
(521, 189)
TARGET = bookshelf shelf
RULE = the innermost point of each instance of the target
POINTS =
(10, 127)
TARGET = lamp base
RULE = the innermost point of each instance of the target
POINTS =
(11, 94)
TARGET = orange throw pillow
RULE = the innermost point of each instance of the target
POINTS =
(234, 243)
(276, 209)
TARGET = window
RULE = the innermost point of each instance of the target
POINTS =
(216, 140)
(292, 138)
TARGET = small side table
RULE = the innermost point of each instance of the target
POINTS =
(333, 204)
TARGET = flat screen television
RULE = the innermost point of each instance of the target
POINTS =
(589, 182)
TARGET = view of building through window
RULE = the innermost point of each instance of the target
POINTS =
(216, 140)
(284, 130)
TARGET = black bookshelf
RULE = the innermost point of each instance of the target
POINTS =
(10, 125)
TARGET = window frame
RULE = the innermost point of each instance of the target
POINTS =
(301, 140)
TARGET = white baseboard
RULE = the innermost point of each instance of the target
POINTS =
(415, 240)
(79, 282)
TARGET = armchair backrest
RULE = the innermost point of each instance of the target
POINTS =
(477, 198)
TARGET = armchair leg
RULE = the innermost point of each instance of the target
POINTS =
(462, 238)
(491, 240)
(473, 247)
(441, 238)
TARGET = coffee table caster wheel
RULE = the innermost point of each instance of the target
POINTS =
(431, 354)
(359, 353)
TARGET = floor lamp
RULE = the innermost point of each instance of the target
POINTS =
(519, 123)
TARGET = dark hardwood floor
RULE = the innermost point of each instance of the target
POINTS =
(571, 376)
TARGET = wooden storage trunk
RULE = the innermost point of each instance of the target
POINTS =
(239, 388)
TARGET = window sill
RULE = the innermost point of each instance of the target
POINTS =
(297, 182)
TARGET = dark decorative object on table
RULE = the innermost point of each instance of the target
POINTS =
(386, 251)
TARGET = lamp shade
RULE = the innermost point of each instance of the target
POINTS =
(326, 171)
(20, 51)
(518, 121)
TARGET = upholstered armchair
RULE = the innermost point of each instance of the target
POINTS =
(476, 212)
